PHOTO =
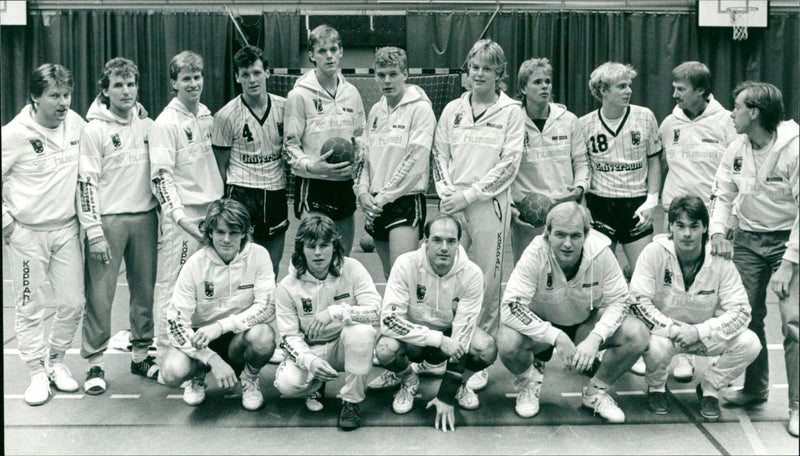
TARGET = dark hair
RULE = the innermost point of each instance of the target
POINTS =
(427, 228)
(766, 98)
(313, 229)
(697, 73)
(693, 207)
(118, 66)
(230, 212)
(247, 56)
(46, 75)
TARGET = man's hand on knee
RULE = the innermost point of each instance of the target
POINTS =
(223, 372)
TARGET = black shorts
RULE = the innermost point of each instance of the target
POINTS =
(407, 210)
(571, 332)
(433, 355)
(332, 198)
(614, 217)
(269, 210)
(221, 345)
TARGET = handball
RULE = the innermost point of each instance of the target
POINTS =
(533, 209)
(366, 243)
(343, 150)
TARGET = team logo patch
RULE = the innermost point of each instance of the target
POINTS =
(497, 211)
(279, 125)
(636, 138)
(189, 133)
(457, 120)
(374, 124)
(527, 140)
(421, 290)
(116, 141)
(549, 280)
(737, 165)
(676, 135)
(318, 104)
(307, 306)
(209, 289)
(667, 277)
(37, 145)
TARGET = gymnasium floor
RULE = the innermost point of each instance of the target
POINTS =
(136, 416)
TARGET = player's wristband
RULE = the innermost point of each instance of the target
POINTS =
(651, 201)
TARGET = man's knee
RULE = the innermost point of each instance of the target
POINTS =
(387, 350)
(359, 337)
(748, 343)
(483, 348)
(509, 341)
(175, 367)
(632, 335)
(260, 339)
(659, 348)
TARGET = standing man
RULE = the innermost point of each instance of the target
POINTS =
(694, 138)
(476, 154)
(758, 176)
(393, 175)
(430, 311)
(40, 227)
(568, 288)
(118, 212)
(184, 177)
(327, 310)
(554, 161)
(692, 303)
(323, 105)
(248, 143)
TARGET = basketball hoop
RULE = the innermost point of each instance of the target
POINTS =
(740, 18)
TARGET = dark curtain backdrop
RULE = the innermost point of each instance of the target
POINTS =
(654, 43)
(84, 40)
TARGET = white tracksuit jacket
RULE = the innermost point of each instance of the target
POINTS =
(418, 304)
(480, 158)
(239, 295)
(554, 158)
(312, 117)
(40, 171)
(183, 168)
(398, 141)
(539, 295)
(716, 303)
(693, 149)
(114, 167)
(349, 298)
(765, 199)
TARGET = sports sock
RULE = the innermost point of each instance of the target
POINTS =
(35, 366)
(96, 360)
(406, 373)
(250, 370)
(596, 385)
(138, 354)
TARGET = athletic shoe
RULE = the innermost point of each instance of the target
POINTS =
(657, 402)
(739, 398)
(528, 400)
(404, 398)
(603, 405)
(147, 368)
(38, 392)
(684, 368)
(638, 367)
(467, 399)
(792, 427)
(95, 381)
(252, 399)
(709, 405)
(195, 392)
(314, 401)
(61, 377)
(479, 380)
(387, 380)
(427, 369)
(349, 416)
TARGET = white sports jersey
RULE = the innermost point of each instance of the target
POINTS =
(618, 157)
(693, 149)
(255, 144)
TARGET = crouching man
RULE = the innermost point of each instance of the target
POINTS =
(568, 287)
(430, 309)
(220, 311)
(327, 310)
(692, 303)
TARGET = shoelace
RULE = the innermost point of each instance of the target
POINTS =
(529, 391)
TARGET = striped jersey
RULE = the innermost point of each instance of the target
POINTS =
(618, 158)
(255, 144)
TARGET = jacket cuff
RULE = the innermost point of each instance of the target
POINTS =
(94, 232)
(551, 335)
(204, 355)
(471, 195)
(177, 214)
(228, 324)
(703, 330)
(434, 338)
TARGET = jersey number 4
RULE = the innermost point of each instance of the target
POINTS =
(599, 143)
(247, 134)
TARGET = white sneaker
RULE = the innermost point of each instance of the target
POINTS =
(404, 398)
(387, 380)
(61, 377)
(792, 426)
(313, 402)
(426, 368)
(38, 392)
(603, 405)
(478, 381)
(528, 400)
(684, 368)
(638, 367)
(466, 397)
(195, 392)
(252, 398)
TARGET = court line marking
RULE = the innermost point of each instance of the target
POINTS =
(750, 432)
(698, 424)
(125, 396)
